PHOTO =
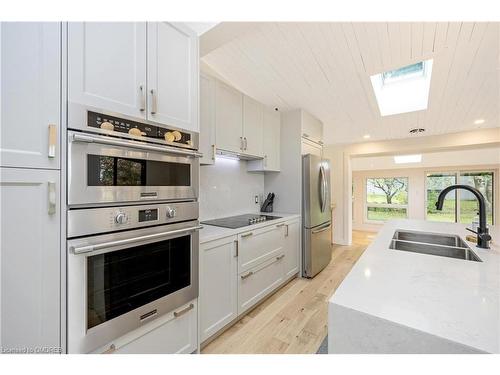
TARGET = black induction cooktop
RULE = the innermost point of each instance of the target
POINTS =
(234, 222)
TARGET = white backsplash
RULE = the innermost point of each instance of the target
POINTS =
(226, 189)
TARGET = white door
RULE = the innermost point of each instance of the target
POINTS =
(292, 248)
(207, 119)
(107, 67)
(253, 123)
(30, 94)
(173, 75)
(229, 118)
(30, 258)
(218, 285)
(271, 137)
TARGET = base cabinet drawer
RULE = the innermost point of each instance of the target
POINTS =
(259, 245)
(175, 333)
(256, 283)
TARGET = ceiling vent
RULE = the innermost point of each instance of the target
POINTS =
(417, 130)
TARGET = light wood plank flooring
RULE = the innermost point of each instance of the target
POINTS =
(294, 319)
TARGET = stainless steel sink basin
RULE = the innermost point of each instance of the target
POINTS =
(445, 245)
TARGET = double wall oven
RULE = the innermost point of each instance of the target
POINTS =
(132, 226)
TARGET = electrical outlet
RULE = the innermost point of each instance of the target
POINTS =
(256, 199)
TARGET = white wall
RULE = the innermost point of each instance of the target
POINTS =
(227, 189)
(416, 191)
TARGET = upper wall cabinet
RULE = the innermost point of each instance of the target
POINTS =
(253, 118)
(107, 66)
(229, 118)
(173, 75)
(30, 94)
(312, 128)
(207, 119)
(271, 142)
(147, 71)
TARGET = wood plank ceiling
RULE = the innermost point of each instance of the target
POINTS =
(325, 69)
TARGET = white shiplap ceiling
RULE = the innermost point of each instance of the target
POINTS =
(325, 69)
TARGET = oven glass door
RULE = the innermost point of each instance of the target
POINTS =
(121, 281)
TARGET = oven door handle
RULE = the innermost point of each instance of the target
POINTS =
(128, 241)
(87, 138)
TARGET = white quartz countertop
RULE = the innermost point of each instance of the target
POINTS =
(454, 299)
(211, 233)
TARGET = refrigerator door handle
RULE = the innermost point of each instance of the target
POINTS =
(322, 229)
(322, 188)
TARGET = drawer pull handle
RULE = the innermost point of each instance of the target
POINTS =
(280, 225)
(243, 277)
(110, 350)
(280, 257)
(183, 311)
(247, 235)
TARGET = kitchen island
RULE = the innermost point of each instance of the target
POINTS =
(405, 302)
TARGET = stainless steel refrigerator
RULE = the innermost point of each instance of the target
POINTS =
(316, 215)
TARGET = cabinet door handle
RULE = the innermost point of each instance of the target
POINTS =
(286, 235)
(241, 144)
(243, 277)
(154, 104)
(110, 350)
(246, 234)
(214, 151)
(143, 99)
(246, 143)
(52, 141)
(51, 198)
(280, 257)
(280, 225)
(236, 248)
(183, 311)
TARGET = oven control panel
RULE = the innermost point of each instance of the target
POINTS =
(89, 221)
(138, 129)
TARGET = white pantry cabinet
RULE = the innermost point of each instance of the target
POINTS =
(173, 333)
(30, 94)
(107, 66)
(30, 259)
(253, 123)
(218, 287)
(271, 143)
(207, 119)
(173, 73)
(292, 248)
(229, 118)
(147, 71)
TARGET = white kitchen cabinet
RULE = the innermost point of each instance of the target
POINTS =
(30, 259)
(218, 285)
(253, 124)
(172, 75)
(313, 148)
(168, 334)
(229, 118)
(291, 248)
(271, 143)
(312, 128)
(30, 94)
(207, 119)
(255, 284)
(259, 245)
(107, 66)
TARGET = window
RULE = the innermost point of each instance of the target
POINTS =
(386, 198)
(403, 90)
(460, 205)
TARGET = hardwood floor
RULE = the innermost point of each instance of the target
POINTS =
(294, 319)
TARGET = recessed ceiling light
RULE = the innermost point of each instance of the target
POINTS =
(366, 136)
(405, 159)
(479, 121)
(403, 90)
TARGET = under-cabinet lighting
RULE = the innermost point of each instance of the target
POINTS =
(403, 90)
(405, 159)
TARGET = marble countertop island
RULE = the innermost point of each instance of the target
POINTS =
(404, 302)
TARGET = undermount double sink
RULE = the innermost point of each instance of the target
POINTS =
(445, 245)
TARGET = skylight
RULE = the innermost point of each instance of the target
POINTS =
(403, 90)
